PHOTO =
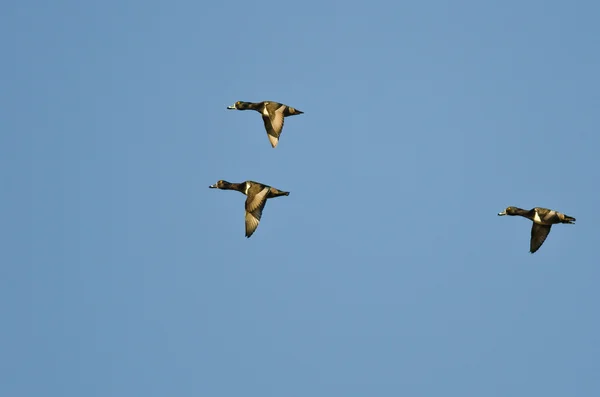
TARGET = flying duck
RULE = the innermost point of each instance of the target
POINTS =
(543, 219)
(257, 195)
(272, 114)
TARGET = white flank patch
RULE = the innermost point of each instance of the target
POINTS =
(247, 188)
(536, 217)
(265, 111)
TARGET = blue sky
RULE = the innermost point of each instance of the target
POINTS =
(386, 272)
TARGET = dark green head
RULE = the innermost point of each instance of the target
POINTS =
(220, 184)
(240, 105)
(509, 211)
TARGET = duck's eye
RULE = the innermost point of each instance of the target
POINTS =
(238, 102)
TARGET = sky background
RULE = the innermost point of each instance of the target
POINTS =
(386, 272)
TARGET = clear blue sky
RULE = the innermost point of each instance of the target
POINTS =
(386, 272)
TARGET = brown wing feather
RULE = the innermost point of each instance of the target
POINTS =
(538, 236)
(254, 208)
(274, 125)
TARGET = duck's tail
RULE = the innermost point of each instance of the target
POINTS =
(276, 193)
(290, 111)
(568, 219)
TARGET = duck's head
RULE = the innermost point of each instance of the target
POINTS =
(236, 105)
(219, 185)
(508, 211)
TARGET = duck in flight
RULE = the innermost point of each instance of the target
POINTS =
(257, 195)
(272, 114)
(543, 219)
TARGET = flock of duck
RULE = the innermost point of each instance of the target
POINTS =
(257, 194)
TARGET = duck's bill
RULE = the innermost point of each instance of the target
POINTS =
(213, 186)
(502, 213)
(231, 107)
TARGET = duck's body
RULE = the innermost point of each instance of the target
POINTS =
(257, 195)
(543, 219)
(273, 114)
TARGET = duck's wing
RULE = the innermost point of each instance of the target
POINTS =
(274, 123)
(254, 208)
(538, 236)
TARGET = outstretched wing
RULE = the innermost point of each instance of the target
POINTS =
(254, 208)
(274, 124)
(538, 236)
